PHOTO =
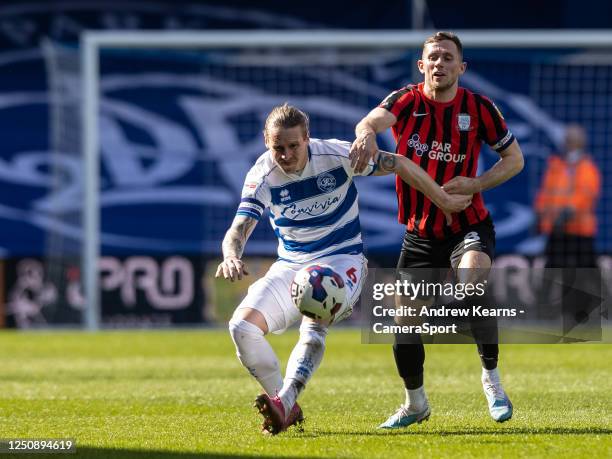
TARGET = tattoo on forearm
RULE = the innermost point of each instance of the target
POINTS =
(235, 247)
(236, 237)
(386, 161)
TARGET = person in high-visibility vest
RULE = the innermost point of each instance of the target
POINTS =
(566, 204)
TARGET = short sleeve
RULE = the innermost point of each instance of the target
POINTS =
(493, 128)
(255, 193)
(342, 148)
(398, 101)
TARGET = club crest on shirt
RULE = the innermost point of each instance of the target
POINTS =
(326, 182)
(464, 122)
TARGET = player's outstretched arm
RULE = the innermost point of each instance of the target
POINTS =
(511, 162)
(364, 148)
(232, 267)
(417, 178)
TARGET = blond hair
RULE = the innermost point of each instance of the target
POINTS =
(286, 116)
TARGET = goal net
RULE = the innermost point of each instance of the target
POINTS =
(170, 124)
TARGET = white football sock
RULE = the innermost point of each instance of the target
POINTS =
(256, 354)
(491, 376)
(416, 399)
(303, 362)
(491, 383)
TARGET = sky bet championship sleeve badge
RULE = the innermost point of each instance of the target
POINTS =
(463, 122)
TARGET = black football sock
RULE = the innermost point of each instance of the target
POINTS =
(409, 359)
(485, 333)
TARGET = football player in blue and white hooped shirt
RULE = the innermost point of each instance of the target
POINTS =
(308, 186)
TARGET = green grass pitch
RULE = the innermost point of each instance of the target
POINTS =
(183, 394)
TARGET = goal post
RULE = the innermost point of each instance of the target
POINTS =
(92, 43)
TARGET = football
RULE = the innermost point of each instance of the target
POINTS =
(318, 291)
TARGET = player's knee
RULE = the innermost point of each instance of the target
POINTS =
(475, 260)
(249, 340)
(243, 333)
(313, 334)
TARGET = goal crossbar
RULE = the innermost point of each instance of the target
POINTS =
(93, 41)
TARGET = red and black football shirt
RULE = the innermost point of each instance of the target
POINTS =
(445, 140)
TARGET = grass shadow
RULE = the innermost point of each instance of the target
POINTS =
(116, 453)
(464, 432)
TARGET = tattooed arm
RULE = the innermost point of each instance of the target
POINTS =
(364, 147)
(232, 267)
(420, 180)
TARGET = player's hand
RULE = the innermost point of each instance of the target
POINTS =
(363, 150)
(462, 185)
(454, 203)
(232, 268)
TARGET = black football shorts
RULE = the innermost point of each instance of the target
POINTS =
(418, 252)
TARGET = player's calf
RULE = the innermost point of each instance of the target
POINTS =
(303, 361)
(256, 355)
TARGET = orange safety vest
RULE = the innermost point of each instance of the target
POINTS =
(576, 185)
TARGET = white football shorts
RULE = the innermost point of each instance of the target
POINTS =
(271, 295)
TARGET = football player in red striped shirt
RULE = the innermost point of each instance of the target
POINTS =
(441, 127)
